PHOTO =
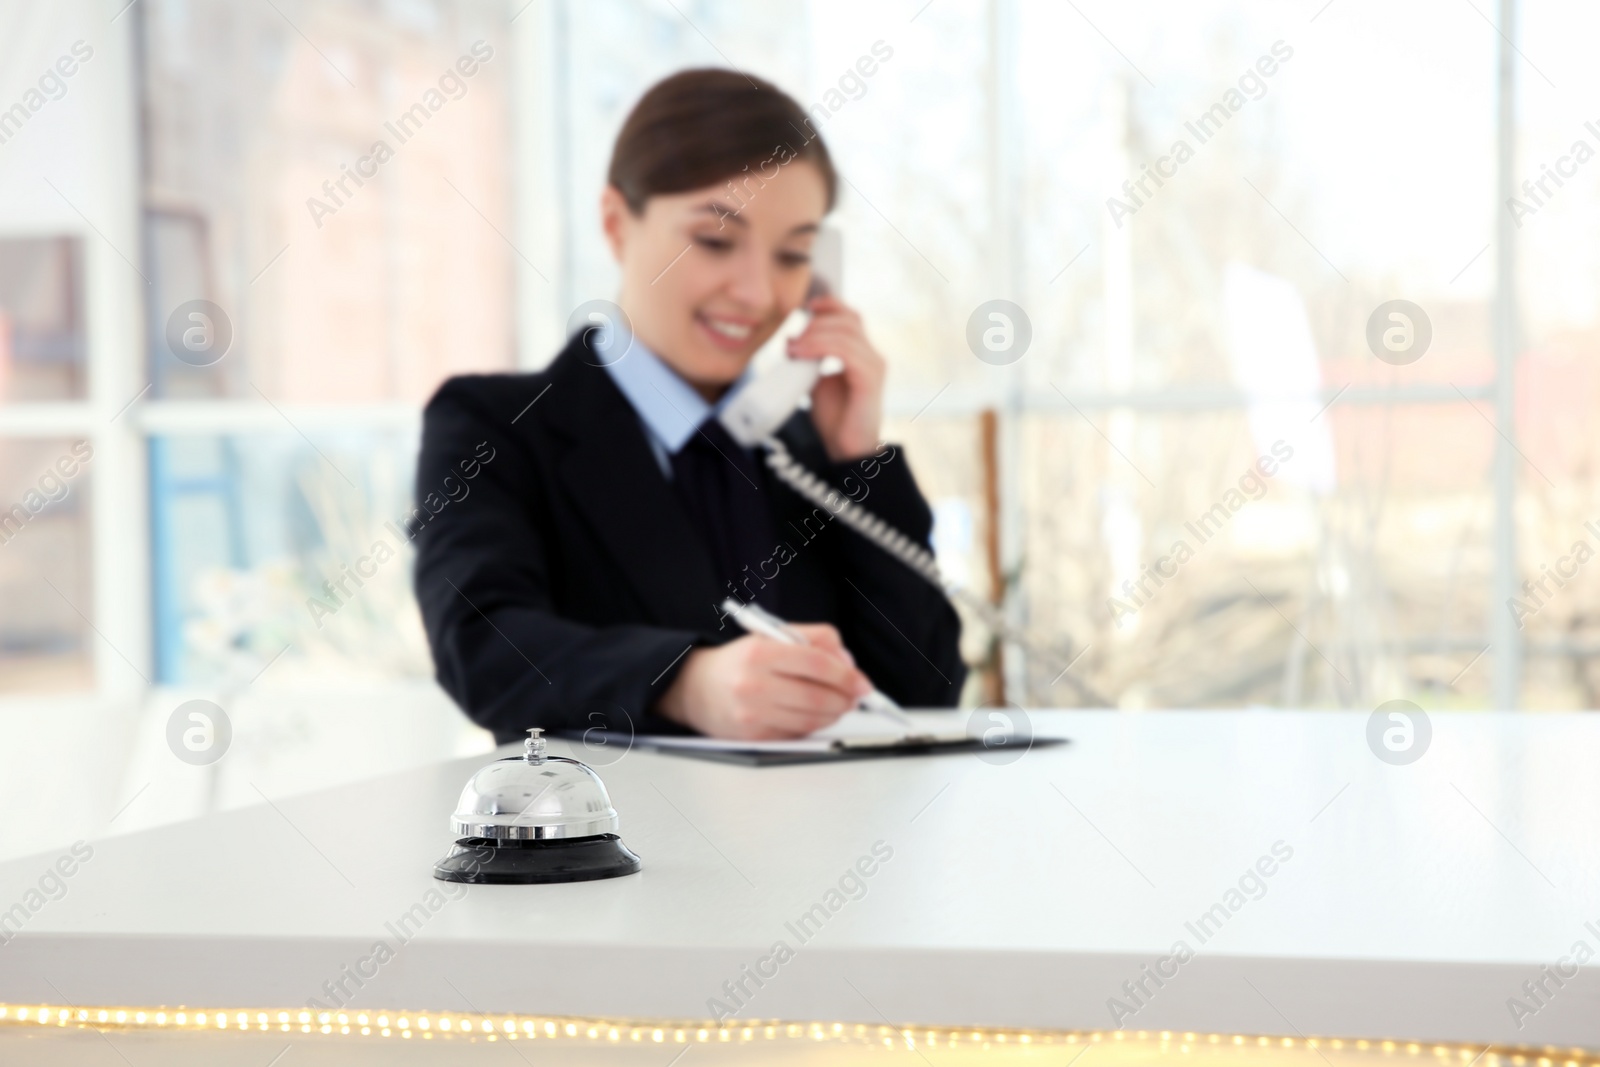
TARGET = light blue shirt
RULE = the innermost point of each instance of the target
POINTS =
(668, 407)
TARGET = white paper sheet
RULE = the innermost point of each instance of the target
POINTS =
(855, 728)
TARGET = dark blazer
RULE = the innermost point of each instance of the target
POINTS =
(561, 581)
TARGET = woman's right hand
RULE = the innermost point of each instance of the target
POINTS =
(758, 689)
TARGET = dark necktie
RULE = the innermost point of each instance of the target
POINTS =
(718, 483)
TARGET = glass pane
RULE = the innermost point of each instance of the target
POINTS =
(42, 354)
(1224, 134)
(1223, 559)
(44, 565)
(254, 538)
(340, 204)
(1557, 215)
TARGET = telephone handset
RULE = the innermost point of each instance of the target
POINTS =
(753, 418)
(767, 402)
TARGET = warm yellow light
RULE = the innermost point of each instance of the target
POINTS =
(1138, 1044)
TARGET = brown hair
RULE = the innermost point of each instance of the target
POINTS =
(698, 127)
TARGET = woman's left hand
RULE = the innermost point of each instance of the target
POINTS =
(847, 407)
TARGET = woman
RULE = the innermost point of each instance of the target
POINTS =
(574, 581)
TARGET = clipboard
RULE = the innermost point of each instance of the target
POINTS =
(857, 735)
(837, 752)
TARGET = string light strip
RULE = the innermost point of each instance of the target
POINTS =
(475, 1026)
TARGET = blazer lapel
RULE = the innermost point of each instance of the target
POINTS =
(611, 476)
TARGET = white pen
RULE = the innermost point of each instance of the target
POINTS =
(758, 620)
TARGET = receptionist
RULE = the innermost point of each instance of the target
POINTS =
(575, 580)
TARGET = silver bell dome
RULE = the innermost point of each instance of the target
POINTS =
(534, 796)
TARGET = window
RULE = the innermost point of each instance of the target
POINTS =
(1214, 477)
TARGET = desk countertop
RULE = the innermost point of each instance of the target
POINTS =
(1403, 901)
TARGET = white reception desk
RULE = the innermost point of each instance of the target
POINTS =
(1203, 874)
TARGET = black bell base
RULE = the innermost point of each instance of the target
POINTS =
(485, 861)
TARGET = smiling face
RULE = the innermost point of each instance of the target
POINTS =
(708, 279)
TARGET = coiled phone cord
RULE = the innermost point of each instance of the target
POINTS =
(793, 474)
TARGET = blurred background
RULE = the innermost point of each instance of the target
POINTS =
(164, 521)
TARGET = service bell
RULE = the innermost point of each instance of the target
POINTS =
(535, 818)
